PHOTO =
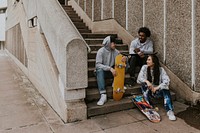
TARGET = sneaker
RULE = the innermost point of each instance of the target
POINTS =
(102, 100)
(130, 82)
(171, 115)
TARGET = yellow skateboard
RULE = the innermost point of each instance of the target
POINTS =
(118, 85)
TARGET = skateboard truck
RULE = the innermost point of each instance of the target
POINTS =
(121, 66)
(119, 90)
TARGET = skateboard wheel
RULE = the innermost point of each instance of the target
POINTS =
(120, 65)
(156, 108)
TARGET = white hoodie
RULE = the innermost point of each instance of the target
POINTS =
(105, 57)
(146, 47)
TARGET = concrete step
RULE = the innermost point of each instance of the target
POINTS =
(96, 35)
(94, 40)
(93, 54)
(96, 47)
(109, 107)
(67, 7)
(113, 106)
(91, 63)
(73, 15)
(84, 30)
(80, 25)
(76, 19)
(92, 94)
(92, 81)
(71, 12)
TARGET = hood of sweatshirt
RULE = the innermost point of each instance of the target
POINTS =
(106, 43)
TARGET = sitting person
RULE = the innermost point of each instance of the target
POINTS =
(155, 84)
(139, 49)
(105, 61)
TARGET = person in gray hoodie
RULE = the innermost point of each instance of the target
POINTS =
(105, 61)
(139, 50)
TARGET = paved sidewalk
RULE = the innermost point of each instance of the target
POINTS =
(23, 110)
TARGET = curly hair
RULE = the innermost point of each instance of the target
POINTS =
(156, 70)
(145, 30)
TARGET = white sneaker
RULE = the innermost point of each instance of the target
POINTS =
(171, 115)
(102, 100)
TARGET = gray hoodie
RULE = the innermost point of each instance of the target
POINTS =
(146, 47)
(105, 57)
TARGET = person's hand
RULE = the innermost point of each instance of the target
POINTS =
(136, 50)
(154, 89)
(113, 71)
(141, 54)
(150, 86)
(124, 59)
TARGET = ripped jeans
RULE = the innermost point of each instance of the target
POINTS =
(149, 95)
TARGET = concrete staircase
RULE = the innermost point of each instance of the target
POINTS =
(94, 40)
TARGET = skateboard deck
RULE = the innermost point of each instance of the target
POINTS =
(118, 84)
(146, 109)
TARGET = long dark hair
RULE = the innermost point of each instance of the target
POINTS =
(156, 70)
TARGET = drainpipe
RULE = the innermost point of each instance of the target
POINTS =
(193, 45)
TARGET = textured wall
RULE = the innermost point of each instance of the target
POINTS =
(120, 12)
(97, 10)
(89, 8)
(81, 4)
(107, 9)
(135, 18)
(197, 45)
(178, 39)
(154, 19)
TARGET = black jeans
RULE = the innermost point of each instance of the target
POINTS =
(134, 61)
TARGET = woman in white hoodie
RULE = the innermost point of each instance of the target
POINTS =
(155, 84)
(105, 61)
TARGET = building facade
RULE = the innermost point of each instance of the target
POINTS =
(3, 7)
(45, 44)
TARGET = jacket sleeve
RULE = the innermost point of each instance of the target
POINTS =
(149, 50)
(142, 75)
(132, 47)
(99, 62)
(164, 80)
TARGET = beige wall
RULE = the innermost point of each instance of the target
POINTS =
(120, 12)
(107, 13)
(175, 38)
(178, 39)
(97, 10)
(197, 46)
(135, 19)
(50, 55)
(155, 21)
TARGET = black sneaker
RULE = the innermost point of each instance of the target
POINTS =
(130, 82)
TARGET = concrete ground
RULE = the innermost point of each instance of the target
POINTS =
(24, 110)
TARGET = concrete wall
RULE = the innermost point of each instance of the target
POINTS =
(3, 3)
(175, 32)
(3, 6)
(179, 39)
(52, 65)
(2, 27)
(197, 45)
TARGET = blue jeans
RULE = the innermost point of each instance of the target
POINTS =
(101, 77)
(149, 95)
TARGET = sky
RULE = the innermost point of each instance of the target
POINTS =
(3, 3)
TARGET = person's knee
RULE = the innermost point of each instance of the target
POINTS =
(99, 70)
